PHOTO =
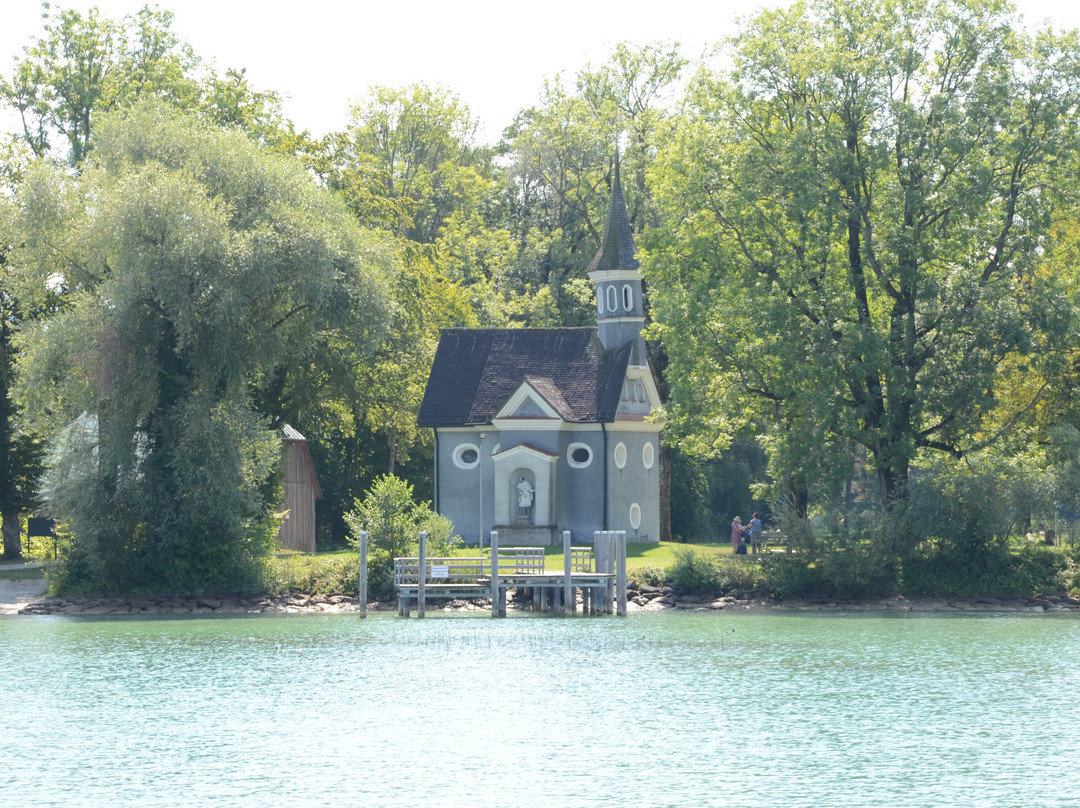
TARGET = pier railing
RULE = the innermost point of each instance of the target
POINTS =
(598, 573)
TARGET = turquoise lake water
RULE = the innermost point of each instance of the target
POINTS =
(657, 709)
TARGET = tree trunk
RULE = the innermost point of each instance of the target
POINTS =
(12, 533)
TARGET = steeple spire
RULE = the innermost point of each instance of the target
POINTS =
(620, 312)
(617, 250)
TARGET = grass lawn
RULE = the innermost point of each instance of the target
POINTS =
(639, 556)
(19, 572)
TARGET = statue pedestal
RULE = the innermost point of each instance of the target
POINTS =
(528, 535)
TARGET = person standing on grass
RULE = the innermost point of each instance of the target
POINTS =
(736, 534)
(755, 532)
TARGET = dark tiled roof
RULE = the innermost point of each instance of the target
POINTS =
(477, 369)
(552, 395)
(617, 250)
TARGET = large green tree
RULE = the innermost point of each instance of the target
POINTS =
(192, 271)
(858, 214)
(83, 66)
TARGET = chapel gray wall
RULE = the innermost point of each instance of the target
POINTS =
(581, 490)
(634, 483)
(458, 496)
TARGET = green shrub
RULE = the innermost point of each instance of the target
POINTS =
(694, 573)
(646, 576)
(940, 568)
(337, 574)
(393, 521)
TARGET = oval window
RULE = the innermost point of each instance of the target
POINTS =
(627, 297)
(578, 455)
(648, 455)
(612, 298)
(620, 455)
(599, 300)
(635, 516)
(467, 456)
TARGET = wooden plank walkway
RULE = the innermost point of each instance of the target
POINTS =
(597, 573)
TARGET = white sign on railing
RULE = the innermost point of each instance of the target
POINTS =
(440, 571)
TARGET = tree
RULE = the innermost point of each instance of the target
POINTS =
(408, 160)
(559, 158)
(21, 451)
(194, 271)
(857, 216)
(85, 66)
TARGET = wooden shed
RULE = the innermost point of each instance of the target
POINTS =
(302, 489)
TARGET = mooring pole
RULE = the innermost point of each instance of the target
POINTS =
(363, 573)
(620, 573)
(493, 546)
(568, 582)
(421, 576)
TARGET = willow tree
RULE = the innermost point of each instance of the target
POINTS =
(190, 270)
(860, 210)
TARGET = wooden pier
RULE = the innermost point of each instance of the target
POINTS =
(598, 573)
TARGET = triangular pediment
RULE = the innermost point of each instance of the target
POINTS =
(528, 403)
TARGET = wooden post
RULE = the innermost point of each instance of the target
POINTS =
(601, 567)
(568, 581)
(421, 576)
(609, 569)
(363, 573)
(620, 574)
(493, 546)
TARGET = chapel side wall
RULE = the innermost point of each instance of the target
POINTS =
(581, 490)
(634, 484)
(459, 489)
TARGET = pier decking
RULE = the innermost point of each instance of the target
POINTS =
(598, 573)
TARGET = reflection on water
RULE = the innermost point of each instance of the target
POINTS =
(678, 709)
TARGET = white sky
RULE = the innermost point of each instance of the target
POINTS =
(322, 55)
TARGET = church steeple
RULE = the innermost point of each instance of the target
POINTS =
(620, 311)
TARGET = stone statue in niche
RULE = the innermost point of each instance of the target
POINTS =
(525, 493)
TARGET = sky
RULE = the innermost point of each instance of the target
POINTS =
(323, 55)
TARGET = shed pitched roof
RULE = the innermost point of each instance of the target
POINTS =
(477, 369)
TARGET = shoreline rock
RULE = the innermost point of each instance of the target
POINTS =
(646, 599)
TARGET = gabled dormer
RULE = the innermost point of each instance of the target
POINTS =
(537, 403)
(639, 397)
(620, 309)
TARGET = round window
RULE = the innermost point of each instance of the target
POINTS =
(648, 455)
(467, 456)
(620, 455)
(578, 455)
(635, 516)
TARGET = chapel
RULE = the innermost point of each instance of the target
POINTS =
(541, 430)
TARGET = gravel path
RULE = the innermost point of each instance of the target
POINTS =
(16, 594)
